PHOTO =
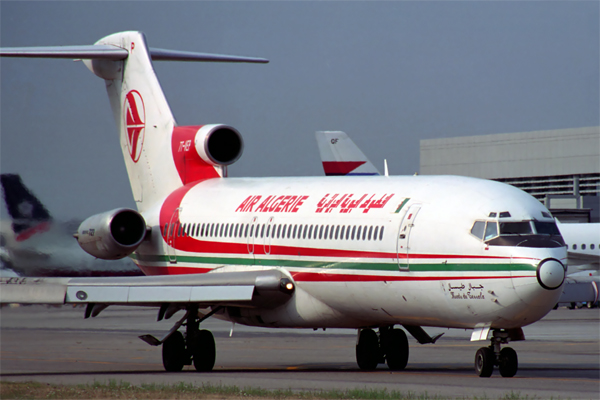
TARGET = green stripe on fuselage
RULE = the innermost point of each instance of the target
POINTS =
(364, 266)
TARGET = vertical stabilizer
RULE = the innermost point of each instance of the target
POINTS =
(142, 115)
(28, 214)
(340, 156)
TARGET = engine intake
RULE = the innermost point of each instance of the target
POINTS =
(113, 234)
(219, 144)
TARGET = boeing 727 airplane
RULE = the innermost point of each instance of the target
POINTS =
(367, 253)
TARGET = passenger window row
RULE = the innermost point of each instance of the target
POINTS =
(583, 246)
(277, 231)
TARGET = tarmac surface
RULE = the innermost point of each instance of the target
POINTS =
(559, 359)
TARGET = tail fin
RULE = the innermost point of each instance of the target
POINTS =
(28, 214)
(340, 156)
(146, 125)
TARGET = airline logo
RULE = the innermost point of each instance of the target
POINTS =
(135, 125)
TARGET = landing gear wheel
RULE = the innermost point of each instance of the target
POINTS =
(173, 352)
(396, 350)
(204, 352)
(484, 362)
(508, 363)
(367, 350)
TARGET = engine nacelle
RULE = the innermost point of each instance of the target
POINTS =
(219, 144)
(113, 234)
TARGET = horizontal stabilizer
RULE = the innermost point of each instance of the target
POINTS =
(95, 51)
(175, 55)
(110, 52)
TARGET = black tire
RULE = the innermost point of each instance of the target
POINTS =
(173, 352)
(484, 362)
(205, 352)
(367, 350)
(508, 362)
(396, 350)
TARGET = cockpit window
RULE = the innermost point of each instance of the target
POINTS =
(491, 230)
(478, 229)
(546, 228)
(515, 228)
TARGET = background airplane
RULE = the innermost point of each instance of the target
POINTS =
(34, 244)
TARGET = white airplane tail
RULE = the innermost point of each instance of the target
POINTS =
(159, 155)
(340, 156)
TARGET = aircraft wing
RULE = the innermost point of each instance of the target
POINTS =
(262, 288)
(582, 261)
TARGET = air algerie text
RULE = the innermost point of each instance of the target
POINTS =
(345, 203)
(271, 204)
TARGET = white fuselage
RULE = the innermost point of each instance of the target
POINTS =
(417, 263)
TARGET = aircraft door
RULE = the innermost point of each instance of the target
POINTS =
(172, 231)
(403, 244)
(268, 235)
(251, 236)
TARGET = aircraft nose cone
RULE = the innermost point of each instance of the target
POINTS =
(550, 273)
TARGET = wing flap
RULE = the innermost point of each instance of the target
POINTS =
(161, 294)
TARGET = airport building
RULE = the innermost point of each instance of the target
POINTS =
(561, 168)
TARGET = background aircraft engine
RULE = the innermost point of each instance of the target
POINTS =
(219, 144)
(113, 234)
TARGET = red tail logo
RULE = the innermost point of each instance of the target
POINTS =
(135, 116)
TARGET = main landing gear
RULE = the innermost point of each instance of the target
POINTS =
(197, 347)
(488, 357)
(391, 347)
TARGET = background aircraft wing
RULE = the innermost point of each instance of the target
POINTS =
(262, 288)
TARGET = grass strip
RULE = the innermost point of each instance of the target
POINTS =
(182, 390)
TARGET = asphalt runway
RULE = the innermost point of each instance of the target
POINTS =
(559, 359)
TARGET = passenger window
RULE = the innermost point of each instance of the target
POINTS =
(310, 232)
(574, 247)
(364, 233)
(212, 230)
(353, 231)
(358, 232)
(326, 232)
(343, 228)
(583, 246)
(262, 231)
(370, 232)
(491, 230)
(268, 230)
(294, 233)
(478, 229)
(592, 247)
(381, 234)
(337, 232)
(375, 233)
(321, 232)
(166, 229)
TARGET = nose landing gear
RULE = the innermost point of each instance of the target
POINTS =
(506, 359)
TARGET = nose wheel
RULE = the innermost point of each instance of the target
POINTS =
(506, 359)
